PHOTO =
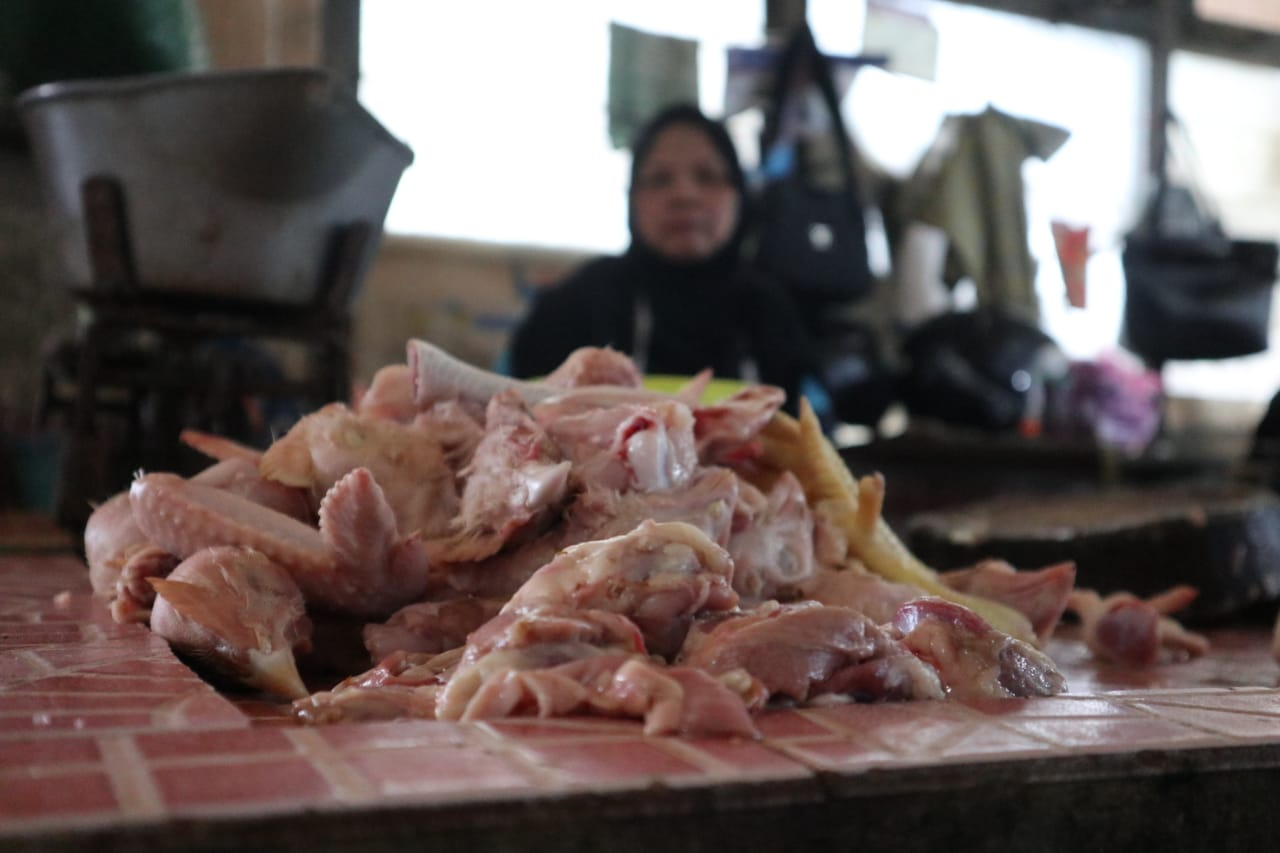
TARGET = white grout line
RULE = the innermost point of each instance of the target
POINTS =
(130, 777)
(348, 784)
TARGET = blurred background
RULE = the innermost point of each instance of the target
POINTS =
(516, 114)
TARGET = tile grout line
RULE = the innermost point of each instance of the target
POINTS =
(1154, 711)
(348, 784)
(699, 758)
(130, 777)
(494, 743)
(39, 666)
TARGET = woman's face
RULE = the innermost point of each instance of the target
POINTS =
(684, 203)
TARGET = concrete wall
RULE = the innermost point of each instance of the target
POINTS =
(463, 297)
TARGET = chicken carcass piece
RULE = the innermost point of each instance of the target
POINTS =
(134, 595)
(389, 395)
(437, 376)
(594, 366)
(404, 684)
(805, 650)
(408, 463)
(454, 427)
(631, 446)
(727, 432)
(456, 430)
(974, 660)
(239, 475)
(706, 502)
(120, 556)
(861, 590)
(238, 613)
(1123, 629)
(772, 543)
(660, 575)
(670, 700)
(218, 447)
(355, 563)
(533, 638)
(429, 626)
(366, 704)
(1040, 594)
(515, 479)
(111, 537)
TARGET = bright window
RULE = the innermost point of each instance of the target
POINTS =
(504, 104)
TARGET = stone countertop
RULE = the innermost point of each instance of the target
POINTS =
(107, 741)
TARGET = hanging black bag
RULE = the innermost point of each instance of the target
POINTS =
(1191, 292)
(811, 233)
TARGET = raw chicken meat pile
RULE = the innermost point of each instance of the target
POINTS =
(576, 546)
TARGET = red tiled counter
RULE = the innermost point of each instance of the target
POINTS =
(107, 741)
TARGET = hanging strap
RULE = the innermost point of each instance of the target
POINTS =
(1178, 146)
(801, 64)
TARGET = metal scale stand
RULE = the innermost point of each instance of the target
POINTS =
(119, 308)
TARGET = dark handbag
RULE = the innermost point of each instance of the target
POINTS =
(1191, 292)
(811, 234)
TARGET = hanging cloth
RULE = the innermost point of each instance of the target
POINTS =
(646, 73)
(969, 185)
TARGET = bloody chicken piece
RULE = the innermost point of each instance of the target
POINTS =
(1123, 629)
(804, 650)
(515, 478)
(646, 446)
(728, 432)
(974, 660)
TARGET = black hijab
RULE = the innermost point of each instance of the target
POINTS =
(696, 305)
(642, 147)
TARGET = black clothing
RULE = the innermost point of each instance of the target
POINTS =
(1264, 455)
(718, 323)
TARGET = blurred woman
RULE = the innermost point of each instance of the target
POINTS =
(680, 298)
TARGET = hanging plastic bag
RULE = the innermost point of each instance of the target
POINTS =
(1191, 292)
(811, 231)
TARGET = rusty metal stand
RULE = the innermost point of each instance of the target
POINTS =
(119, 308)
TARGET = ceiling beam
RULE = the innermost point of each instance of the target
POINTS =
(1140, 19)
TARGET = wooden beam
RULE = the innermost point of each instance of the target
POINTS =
(783, 16)
(1138, 18)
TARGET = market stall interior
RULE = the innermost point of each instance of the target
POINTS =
(179, 299)
(283, 547)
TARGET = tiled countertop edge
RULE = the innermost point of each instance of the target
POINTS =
(1189, 798)
(107, 742)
